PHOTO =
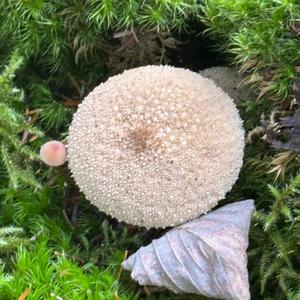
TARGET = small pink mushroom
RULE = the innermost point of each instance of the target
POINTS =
(53, 153)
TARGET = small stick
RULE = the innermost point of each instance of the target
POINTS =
(24, 294)
(33, 138)
(163, 50)
(118, 35)
(121, 268)
(74, 213)
(34, 237)
(25, 137)
(134, 34)
(127, 44)
(67, 219)
(77, 87)
(32, 112)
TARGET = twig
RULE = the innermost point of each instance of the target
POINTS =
(128, 43)
(67, 219)
(134, 34)
(74, 213)
(33, 138)
(24, 294)
(118, 35)
(77, 87)
(133, 38)
(32, 112)
(163, 50)
(25, 137)
(34, 237)
(121, 268)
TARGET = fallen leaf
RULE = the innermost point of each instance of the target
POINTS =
(206, 256)
(290, 128)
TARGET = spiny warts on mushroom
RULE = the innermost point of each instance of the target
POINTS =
(156, 146)
(53, 153)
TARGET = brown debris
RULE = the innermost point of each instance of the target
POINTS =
(137, 48)
(280, 162)
(289, 132)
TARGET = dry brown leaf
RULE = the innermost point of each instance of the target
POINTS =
(290, 129)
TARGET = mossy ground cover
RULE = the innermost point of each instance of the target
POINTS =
(53, 242)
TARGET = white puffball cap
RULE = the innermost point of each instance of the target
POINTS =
(229, 80)
(156, 146)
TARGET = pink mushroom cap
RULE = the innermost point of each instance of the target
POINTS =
(53, 153)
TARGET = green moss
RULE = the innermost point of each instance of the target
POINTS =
(258, 36)
(16, 153)
(74, 37)
(258, 33)
(65, 246)
(48, 274)
(275, 241)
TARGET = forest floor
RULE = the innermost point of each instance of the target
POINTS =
(53, 243)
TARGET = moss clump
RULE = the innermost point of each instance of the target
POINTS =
(261, 38)
(67, 48)
(259, 34)
(72, 39)
(45, 273)
(16, 151)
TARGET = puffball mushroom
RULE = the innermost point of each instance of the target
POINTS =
(156, 146)
(227, 79)
(53, 153)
